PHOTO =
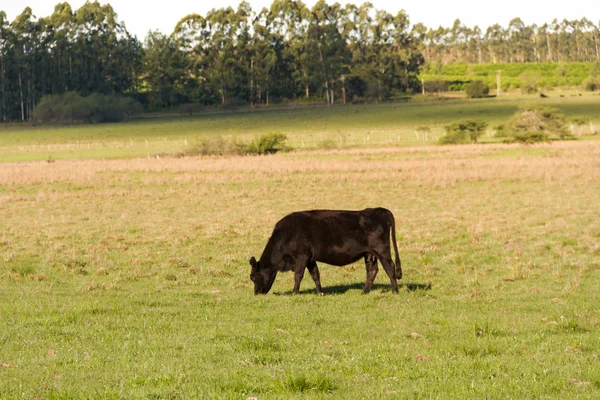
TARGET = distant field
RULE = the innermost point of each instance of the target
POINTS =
(547, 75)
(130, 278)
(389, 125)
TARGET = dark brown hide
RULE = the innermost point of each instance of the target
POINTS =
(335, 237)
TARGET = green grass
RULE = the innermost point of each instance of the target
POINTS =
(306, 128)
(130, 278)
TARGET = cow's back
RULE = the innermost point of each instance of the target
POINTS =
(336, 237)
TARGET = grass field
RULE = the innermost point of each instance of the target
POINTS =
(130, 279)
(389, 125)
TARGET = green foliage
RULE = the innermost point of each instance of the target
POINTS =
(529, 82)
(529, 137)
(477, 89)
(542, 74)
(462, 132)
(595, 69)
(268, 143)
(435, 86)
(533, 123)
(591, 83)
(72, 108)
(86, 50)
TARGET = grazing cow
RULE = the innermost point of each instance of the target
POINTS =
(335, 237)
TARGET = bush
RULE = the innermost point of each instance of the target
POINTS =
(269, 143)
(70, 107)
(529, 82)
(529, 138)
(537, 123)
(218, 146)
(436, 86)
(591, 83)
(215, 146)
(477, 89)
(463, 132)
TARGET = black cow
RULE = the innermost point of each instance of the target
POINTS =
(335, 237)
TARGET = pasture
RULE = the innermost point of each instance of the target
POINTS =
(129, 278)
(351, 126)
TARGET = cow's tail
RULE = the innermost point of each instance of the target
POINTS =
(398, 265)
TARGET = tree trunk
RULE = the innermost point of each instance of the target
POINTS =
(549, 47)
(21, 93)
(332, 94)
(2, 93)
(251, 83)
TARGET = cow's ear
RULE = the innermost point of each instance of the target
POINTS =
(253, 262)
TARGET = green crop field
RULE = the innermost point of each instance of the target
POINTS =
(129, 277)
(547, 75)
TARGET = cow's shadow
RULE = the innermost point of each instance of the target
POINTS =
(339, 289)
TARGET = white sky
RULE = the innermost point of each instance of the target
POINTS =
(140, 16)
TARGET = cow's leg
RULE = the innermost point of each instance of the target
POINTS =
(314, 273)
(372, 269)
(386, 260)
(298, 275)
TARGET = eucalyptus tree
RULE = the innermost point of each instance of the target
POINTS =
(5, 61)
(25, 37)
(165, 70)
(192, 37)
(60, 27)
(496, 43)
(264, 58)
(289, 23)
(219, 60)
(327, 48)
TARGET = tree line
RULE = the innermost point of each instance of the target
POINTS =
(555, 42)
(87, 51)
(329, 53)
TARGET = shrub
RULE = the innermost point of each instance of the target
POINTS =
(529, 82)
(537, 123)
(269, 143)
(457, 86)
(477, 89)
(529, 137)
(215, 146)
(467, 131)
(70, 107)
(591, 83)
(436, 86)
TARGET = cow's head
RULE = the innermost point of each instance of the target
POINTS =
(263, 278)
